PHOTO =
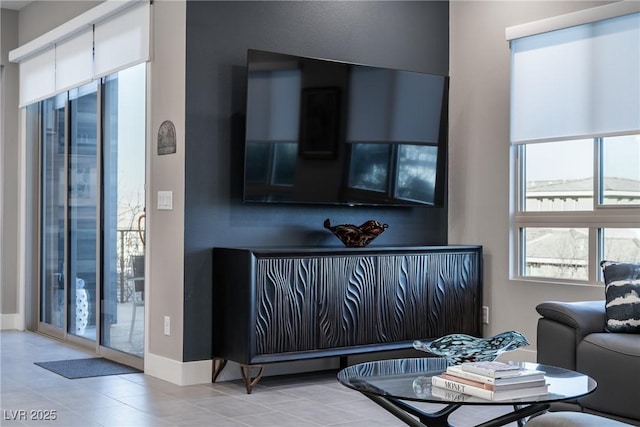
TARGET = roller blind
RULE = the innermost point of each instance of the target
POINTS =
(38, 77)
(74, 61)
(108, 38)
(122, 41)
(574, 82)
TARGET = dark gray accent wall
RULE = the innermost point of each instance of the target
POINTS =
(405, 35)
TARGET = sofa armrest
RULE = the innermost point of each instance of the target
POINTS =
(562, 327)
(585, 317)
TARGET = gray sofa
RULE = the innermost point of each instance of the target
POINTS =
(572, 335)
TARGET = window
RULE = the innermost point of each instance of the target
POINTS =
(579, 204)
(575, 136)
(620, 175)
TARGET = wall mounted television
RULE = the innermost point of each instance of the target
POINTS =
(335, 133)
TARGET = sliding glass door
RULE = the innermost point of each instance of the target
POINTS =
(92, 213)
(53, 198)
(124, 204)
(82, 212)
(70, 202)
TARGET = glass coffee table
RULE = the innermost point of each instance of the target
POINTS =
(394, 384)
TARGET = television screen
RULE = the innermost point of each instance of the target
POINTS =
(329, 132)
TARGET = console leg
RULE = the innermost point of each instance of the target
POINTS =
(344, 362)
(218, 366)
(249, 382)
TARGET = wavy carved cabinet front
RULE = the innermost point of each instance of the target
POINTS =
(287, 304)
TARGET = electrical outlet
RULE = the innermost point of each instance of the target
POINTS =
(485, 315)
(167, 325)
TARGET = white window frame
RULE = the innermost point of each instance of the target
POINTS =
(601, 216)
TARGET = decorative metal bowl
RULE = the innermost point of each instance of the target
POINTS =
(459, 348)
(356, 237)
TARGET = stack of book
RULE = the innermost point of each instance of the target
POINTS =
(491, 380)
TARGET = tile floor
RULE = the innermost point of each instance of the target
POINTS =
(134, 400)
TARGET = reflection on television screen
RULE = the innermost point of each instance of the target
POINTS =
(369, 168)
(329, 132)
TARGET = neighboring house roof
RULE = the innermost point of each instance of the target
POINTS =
(582, 185)
(569, 247)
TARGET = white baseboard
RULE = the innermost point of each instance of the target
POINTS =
(8, 321)
(180, 373)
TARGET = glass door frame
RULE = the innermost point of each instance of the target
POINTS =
(129, 82)
(63, 333)
(108, 352)
(42, 326)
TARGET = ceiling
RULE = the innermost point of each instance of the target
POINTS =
(14, 4)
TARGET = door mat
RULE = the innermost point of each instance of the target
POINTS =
(85, 368)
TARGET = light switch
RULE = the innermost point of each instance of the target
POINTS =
(165, 200)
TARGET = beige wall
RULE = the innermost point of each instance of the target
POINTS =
(479, 155)
(165, 229)
(9, 183)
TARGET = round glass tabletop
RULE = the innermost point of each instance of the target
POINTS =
(410, 379)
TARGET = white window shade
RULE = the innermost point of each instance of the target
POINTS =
(64, 57)
(122, 40)
(37, 77)
(576, 82)
(74, 61)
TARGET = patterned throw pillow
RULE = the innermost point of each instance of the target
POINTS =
(622, 294)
